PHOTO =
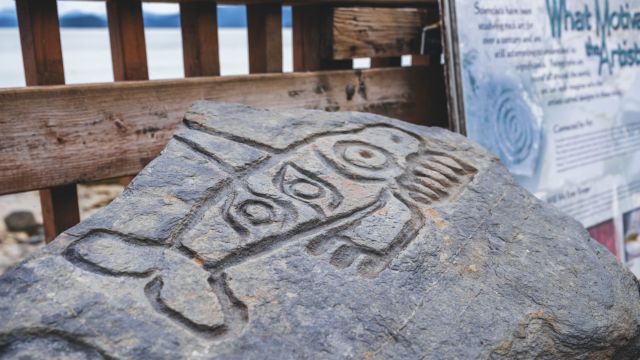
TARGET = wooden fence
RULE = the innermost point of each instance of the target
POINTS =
(55, 136)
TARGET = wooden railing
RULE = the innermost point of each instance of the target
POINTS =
(55, 136)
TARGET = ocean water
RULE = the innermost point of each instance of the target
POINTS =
(87, 54)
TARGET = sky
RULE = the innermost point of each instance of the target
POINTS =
(97, 7)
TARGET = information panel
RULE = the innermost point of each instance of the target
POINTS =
(553, 88)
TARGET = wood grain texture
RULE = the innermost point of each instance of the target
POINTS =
(40, 39)
(199, 22)
(62, 134)
(42, 57)
(313, 38)
(376, 32)
(264, 28)
(128, 46)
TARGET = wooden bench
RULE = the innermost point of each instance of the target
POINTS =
(55, 136)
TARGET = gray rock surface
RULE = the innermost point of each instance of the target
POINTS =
(303, 234)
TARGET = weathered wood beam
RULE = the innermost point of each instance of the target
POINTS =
(63, 134)
(375, 32)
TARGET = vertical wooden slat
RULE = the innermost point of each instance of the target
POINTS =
(42, 56)
(40, 39)
(395, 61)
(128, 47)
(264, 25)
(199, 23)
(59, 209)
(312, 39)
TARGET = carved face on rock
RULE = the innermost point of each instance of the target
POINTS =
(304, 234)
(333, 181)
(338, 194)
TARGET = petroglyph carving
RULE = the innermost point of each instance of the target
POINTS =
(270, 234)
(336, 192)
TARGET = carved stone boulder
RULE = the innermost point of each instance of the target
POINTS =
(303, 234)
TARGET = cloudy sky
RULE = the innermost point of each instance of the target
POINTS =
(97, 7)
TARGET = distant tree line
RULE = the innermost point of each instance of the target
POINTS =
(228, 16)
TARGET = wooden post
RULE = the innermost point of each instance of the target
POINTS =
(264, 25)
(42, 57)
(40, 38)
(128, 45)
(312, 39)
(199, 23)
(128, 48)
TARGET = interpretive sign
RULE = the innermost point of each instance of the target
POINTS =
(553, 88)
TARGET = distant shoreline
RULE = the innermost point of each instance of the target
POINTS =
(228, 17)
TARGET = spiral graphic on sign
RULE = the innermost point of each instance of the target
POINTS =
(515, 127)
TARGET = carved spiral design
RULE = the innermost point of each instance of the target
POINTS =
(514, 125)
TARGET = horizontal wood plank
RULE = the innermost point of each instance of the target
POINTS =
(57, 135)
(374, 32)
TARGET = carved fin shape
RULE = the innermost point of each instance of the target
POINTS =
(186, 291)
(111, 254)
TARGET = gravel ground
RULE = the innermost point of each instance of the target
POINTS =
(15, 246)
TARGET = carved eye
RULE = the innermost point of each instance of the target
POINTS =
(306, 189)
(305, 186)
(257, 212)
(364, 156)
(359, 160)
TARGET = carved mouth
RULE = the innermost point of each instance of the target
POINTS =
(435, 177)
(299, 233)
